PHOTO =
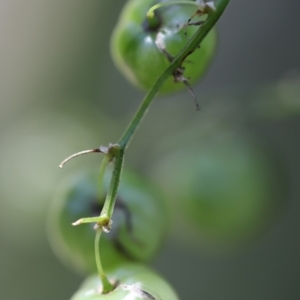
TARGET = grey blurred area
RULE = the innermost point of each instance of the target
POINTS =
(60, 93)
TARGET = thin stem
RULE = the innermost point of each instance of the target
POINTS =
(106, 285)
(192, 44)
(150, 13)
(111, 196)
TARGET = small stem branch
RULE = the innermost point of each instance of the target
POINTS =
(101, 221)
(104, 220)
(150, 13)
(106, 285)
(192, 44)
(61, 165)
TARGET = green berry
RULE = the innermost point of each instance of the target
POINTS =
(136, 44)
(133, 281)
(226, 189)
(139, 222)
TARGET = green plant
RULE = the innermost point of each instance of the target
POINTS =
(114, 153)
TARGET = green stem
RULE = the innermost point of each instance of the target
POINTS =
(106, 285)
(117, 150)
(150, 13)
(111, 196)
(192, 44)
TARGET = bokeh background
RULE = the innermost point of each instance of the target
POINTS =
(60, 93)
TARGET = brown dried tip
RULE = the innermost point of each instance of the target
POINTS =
(97, 150)
(197, 106)
(178, 77)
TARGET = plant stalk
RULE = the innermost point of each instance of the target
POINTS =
(192, 44)
(106, 285)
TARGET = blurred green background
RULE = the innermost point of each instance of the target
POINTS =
(60, 93)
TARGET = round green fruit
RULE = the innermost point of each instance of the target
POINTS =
(133, 281)
(227, 190)
(137, 43)
(139, 226)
